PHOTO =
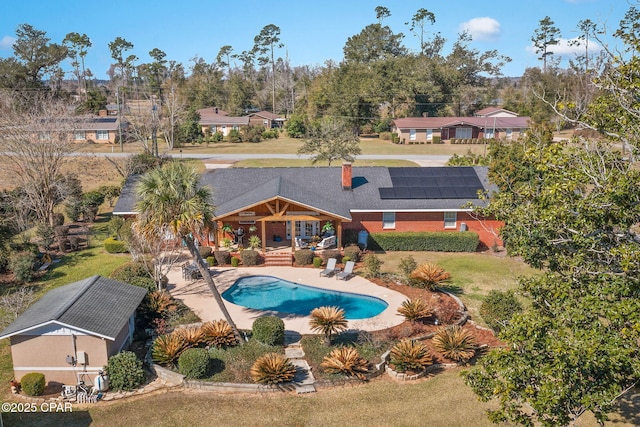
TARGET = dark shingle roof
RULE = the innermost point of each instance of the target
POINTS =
(96, 305)
(319, 188)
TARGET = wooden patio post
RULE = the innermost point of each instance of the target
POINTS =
(339, 232)
(264, 236)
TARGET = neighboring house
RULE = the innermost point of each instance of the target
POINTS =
(70, 333)
(100, 129)
(266, 119)
(296, 202)
(213, 120)
(112, 109)
(495, 112)
(439, 129)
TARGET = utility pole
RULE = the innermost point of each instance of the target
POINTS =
(154, 127)
(119, 120)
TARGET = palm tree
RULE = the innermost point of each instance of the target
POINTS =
(328, 320)
(170, 197)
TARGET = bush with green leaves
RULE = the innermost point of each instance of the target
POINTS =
(125, 371)
(234, 136)
(235, 261)
(410, 355)
(250, 257)
(273, 368)
(135, 274)
(252, 133)
(211, 261)
(407, 266)
(353, 252)
(498, 307)
(317, 262)
(268, 330)
(449, 241)
(194, 363)
(46, 235)
(371, 265)
(58, 219)
(304, 256)
(33, 384)
(22, 264)
(114, 246)
(331, 253)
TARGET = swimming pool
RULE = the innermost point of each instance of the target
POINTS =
(273, 294)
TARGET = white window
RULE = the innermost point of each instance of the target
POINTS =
(489, 133)
(79, 135)
(450, 219)
(463, 133)
(235, 127)
(412, 134)
(509, 133)
(429, 134)
(213, 128)
(388, 220)
(102, 135)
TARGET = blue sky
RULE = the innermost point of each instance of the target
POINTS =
(312, 31)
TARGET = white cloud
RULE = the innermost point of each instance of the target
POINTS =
(483, 28)
(569, 47)
(6, 42)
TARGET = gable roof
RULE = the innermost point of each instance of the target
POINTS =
(490, 111)
(100, 123)
(96, 305)
(266, 115)
(480, 122)
(320, 189)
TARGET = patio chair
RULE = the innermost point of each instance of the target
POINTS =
(331, 268)
(301, 243)
(347, 272)
(327, 242)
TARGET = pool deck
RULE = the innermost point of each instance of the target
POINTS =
(197, 296)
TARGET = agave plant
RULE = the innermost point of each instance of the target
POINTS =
(345, 360)
(218, 333)
(410, 355)
(455, 343)
(167, 348)
(414, 309)
(328, 320)
(429, 275)
(272, 368)
(159, 302)
(191, 335)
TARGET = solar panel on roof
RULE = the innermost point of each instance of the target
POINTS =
(387, 193)
(417, 193)
(415, 181)
(432, 183)
(402, 192)
(399, 181)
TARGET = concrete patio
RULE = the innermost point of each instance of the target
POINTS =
(197, 296)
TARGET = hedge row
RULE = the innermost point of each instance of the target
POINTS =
(452, 241)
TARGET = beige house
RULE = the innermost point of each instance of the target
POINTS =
(69, 334)
(213, 120)
(100, 129)
(266, 119)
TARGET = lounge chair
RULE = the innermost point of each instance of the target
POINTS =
(331, 268)
(301, 243)
(327, 242)
(347, 272)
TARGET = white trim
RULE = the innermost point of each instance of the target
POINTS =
(247, 222)
(55, 322)
(58, 368)
(389, 223)
(454, 218)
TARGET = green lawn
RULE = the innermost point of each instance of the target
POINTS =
(280, 163)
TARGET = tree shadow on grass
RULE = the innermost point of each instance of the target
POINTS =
(54, 415)
(628, 406)
(452, 289)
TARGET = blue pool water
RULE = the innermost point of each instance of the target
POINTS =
(274, 294)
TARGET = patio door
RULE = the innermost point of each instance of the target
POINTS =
(304, 229)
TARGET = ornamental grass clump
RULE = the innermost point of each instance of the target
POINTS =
(410, 355)
(272, 368)
(346, 361)
(455, 343)
(218, 334)
(329, 321)
(191, 335)
(428, 276)
(167, 348)
(414, 309)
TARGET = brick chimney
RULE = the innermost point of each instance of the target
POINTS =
(347, 177)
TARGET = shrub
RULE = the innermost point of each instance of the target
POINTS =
(429, 275)
(252, 133)
(114, 246)
(167, 348)
(234, 136)
(218, 334)
(22, 264)
(194, 363)
(303, 256)
(191, 335)
(455, 343)
(372, 265)
(317, 262)
(385, 136)
(58, 219)
(353, 252)
(407, 266)
(410, 355)
(211, 261)
(125, 371)
(328, 321)
(33, 384)
(250, 257)
(46, 235)
(414, 309)
(235, 261)
(498, 308)
(205, 251)
(345, 259)
(135, 274)
(268, 330)
(445, 241)
(331, 253)
(347, 361)
(272, 368)
(222, 257)
(254, 242)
